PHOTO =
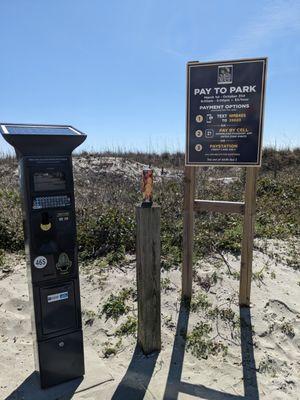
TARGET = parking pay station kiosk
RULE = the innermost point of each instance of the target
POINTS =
(47, 193)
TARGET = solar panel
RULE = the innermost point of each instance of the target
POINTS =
(38, 130)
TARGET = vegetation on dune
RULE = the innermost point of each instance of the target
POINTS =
(11, 230)
(161, 160)
(273, 160)
(1, 258)
(201, 344)
(110, 349)
(116, 305)
(200, 302)
(106, 230)
(129, 327)
(201, 340)
(105, 207)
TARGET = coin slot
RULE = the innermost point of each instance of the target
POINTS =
(45, 224)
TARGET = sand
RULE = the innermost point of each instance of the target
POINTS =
(264, 364)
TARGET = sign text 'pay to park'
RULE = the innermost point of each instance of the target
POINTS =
(225, 102)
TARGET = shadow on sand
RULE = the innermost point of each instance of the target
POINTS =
(30, 390)
(134, 384)
(174, 384)
(136, 380)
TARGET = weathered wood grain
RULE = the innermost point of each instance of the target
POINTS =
(248, 235)
(148, 278)
(236, 207)
(188, 231)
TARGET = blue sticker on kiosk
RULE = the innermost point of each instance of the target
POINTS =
(57, 297)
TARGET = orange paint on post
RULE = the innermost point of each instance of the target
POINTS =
(147, 187)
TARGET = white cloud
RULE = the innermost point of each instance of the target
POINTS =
(277, 19)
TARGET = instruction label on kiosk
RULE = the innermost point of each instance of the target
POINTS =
(225, 102)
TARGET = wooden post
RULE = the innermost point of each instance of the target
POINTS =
(188, 231)
(148, 277)
(248, 236)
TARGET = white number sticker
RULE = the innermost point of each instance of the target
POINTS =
(40, 262)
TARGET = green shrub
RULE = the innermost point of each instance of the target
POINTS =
(129, 327)
(116, 257)
(277, 216)
(171, 256)
(230, 240)
(199, 302)
(201, 345)
(109, 349)
(106, 208)
(2, 257)
(116, 305)
(11, 229)
(166, 284)
(225, 314)
(111, 231)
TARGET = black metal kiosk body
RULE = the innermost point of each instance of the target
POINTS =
(47, 194)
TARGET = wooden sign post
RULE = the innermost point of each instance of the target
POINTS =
(248, 236)
(224, 128)
(188, 231)
(148, 277)
(246, 208)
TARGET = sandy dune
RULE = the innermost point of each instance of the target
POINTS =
(263, 364)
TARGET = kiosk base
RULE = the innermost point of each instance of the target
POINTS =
(61, 359)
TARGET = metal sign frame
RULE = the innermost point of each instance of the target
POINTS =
(216, 102)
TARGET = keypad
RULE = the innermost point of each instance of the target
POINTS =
(51, 202)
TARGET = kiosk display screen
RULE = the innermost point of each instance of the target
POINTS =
(49, 181)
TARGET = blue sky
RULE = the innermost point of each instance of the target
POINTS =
(116, 69)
